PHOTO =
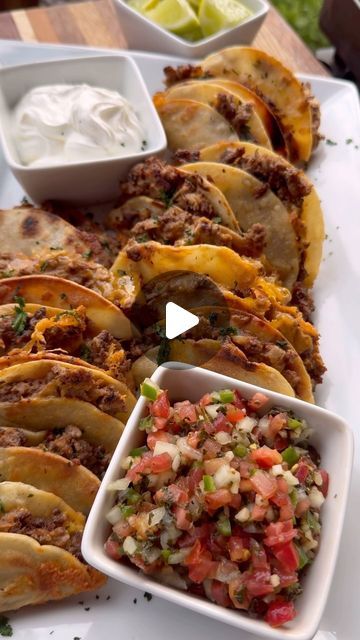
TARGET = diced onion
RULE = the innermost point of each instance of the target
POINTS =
(176, 463)
(277, 470)
(179, 556)
(155, 516)
(166, 447)
(114, 515)
(223, 437)
(243, 515)
(187, 451)
(212, 409)
(127, 462)
(264, 425)
(275, 580)
(316, 498)
(119, 485)
(290, 479)
(168, 576)
(246, 424)
(129, 545)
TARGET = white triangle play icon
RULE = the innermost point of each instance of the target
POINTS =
(178, 320)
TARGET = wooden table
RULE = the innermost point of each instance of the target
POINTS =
(96, 24)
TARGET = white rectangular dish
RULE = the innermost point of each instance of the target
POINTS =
(335, 171)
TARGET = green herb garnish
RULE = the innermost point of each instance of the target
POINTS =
(5, 628)
(20, 320)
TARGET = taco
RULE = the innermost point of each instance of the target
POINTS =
(144, 262)
(289, 99)
(191, 124)
(174, 226)
(71, 482)
(252, 203)
(258, 340)
(170, 185)
(65, 295)
(240, 113)
(30, 381)
(40, 538)
(290, 185)
(32, 230)
(225, 358)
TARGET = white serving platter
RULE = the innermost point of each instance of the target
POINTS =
(335, 170)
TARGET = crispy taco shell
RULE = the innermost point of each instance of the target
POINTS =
(71, 482)
(225, 358)
(250, 125)
(31, 573)
(277, 86)
(32, 230)
(190, 124)
(252, 204)
(32, 380)
(66, 295)
(265, 165)
(40, 415)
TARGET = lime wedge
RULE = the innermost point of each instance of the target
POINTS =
(194, 35)
(215, 15)
(195, 4)
(174, 15)
(142, 5)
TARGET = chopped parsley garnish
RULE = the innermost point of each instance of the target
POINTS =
(5, 628)
(147, 596)
(87, 254)
(7, 273)
(217, 220)
(44, 265)
(331, 143)
(85, 352)
(228, 331)
(67, 312)
(144, 237)
(20, 320)
(166, 198)
(349, 141)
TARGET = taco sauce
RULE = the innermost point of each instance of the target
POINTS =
(222, 501)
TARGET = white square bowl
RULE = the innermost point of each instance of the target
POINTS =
(138, 29)
(89, 181)
(331, 437)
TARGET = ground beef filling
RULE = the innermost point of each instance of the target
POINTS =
(12, 437)
(106, 352)
(63, 382)
(173, 75)
(10, 338)
(236, 113)
(70, 444)
(49, 530)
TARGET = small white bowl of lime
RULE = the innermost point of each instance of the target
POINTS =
(190, 28)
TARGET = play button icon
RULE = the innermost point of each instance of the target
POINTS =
(178, 320)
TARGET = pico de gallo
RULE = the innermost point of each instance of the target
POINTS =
(223, 500)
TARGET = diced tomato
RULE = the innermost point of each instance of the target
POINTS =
(197, 533)
(257, 401)
(246, 485)
(281, 443)
(221, 424)
(160, 463)
(208, 427)
(186, 411)
(258, 557)
(160, 408)
(238, 402)
(211, 466)
(302, 472)
(245, 468)
(160, 423)
(199, 572)
(112, 548)
(234, 415)
(122, 529)
(325, 482)
(287, 556)
(286, 511)
(266, 457)
(193, 439)
(205, 400)
(217, 499)
(196, 553)
(286, 578)
(238, 594)
(264, 483)
(154, 437)
(219, 593)
(211, 448)
(172, 493)
(194, 478)
(183, 522)
(279, 533)
(302, 507)
(217, 544)
(279, 612)
(258, 583)
(277, 423)
(258, 513)
(236, 548)
(142, 467)
(236, 501)
(145, 568)
(282, 485)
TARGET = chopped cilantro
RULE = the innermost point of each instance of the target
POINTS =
(147, 596)
(164, 351)
(44, 265)
(87, 254)
(349, 141)
(7, 273)
(76, 638)
(166, 198)
(217, 220)
(19, 322)
(85, 352)
(143, 237)
(330, 143)
(228, 331)
(67, 312)
(5, 628)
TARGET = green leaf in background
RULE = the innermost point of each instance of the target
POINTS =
(303, 16)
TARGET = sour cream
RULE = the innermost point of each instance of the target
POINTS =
(59, 124)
